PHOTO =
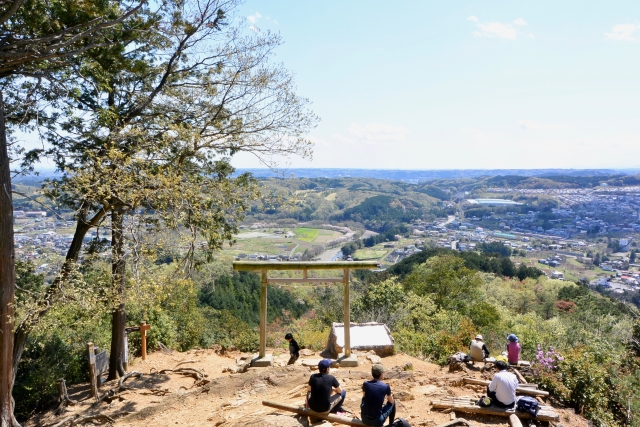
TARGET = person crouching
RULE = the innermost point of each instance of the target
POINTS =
(294, 349)
(321, 386)
(372, 412)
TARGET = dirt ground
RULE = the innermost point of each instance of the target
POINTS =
(234, 399)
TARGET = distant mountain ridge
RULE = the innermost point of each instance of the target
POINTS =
(425, 175)
(407, 175)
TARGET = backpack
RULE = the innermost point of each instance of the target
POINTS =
(484, 402)
(528, 405)
(400, 422)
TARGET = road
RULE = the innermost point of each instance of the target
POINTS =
(328, 254)
(449, 220)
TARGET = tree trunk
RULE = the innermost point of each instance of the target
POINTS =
(119, 317)
(7, 279)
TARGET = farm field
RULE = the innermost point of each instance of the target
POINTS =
(306, 234)
(266, 242)
(370, 253)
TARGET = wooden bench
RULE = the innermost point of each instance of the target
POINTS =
(466, 404)
(309, 413)
(522, 389)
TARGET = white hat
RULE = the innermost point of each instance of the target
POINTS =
(479, 337)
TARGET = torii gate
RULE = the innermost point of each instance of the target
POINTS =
(264, 267)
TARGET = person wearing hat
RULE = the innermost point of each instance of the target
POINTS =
(502, 389)
(294, 349)
(513, 349)
(478, 349)
(321, 385)
(371, 410)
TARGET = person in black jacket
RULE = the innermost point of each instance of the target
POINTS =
(294, 349)
(324, 392)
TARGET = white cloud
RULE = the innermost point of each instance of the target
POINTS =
(624, 32)
(379, 134)
(533, 125)
(497, 29)
(254, 18)
(254, 28)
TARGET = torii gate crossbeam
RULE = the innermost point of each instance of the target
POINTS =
(264, 267)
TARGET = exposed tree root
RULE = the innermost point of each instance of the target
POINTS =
(155, 392)
(197, 374)
(77, 419)
(127, 376)
(116, 392)
(185, 362)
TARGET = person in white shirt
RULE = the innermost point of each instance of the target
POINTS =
(502, 389)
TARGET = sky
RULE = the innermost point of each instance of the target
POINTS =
(464, 84)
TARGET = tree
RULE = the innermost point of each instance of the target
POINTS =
(37, 36)
(150, 124)
(632, 256)
(496, 248)
(382, 302)
(597, 259)
(450, 284)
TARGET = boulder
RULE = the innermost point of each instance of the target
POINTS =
(364, 337)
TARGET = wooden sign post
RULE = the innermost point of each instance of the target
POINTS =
(144, 327)
(93, 379)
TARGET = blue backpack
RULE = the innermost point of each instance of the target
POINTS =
(528, 405)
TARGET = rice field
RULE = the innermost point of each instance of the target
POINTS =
(306, 234)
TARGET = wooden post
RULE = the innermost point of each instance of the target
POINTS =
(347, 314)
(263, 314)
(62, 390)
(514, 421)
(63, 395)
(144, 327)
(92, 370)
(307, 412)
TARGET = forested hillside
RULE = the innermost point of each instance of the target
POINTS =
(366, 201)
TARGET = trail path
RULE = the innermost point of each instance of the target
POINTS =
(234, 400)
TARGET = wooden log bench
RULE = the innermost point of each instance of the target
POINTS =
(466, 404)
(309, 413)
(529, 391)
(523, 364)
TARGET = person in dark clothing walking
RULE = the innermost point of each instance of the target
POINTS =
(371, 410)
(294, 349)
(321, 385)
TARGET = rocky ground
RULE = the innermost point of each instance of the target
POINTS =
(203, 387)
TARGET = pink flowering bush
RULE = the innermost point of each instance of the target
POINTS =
(546, 360)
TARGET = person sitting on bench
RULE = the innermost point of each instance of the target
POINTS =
(478, 349)
(319, 397)
(371, 410)
(513, 349)
(502, 389)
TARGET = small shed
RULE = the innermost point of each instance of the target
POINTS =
(364, 336)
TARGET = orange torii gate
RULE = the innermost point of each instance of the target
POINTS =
(264, 267)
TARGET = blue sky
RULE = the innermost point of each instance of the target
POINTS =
(464, 84)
